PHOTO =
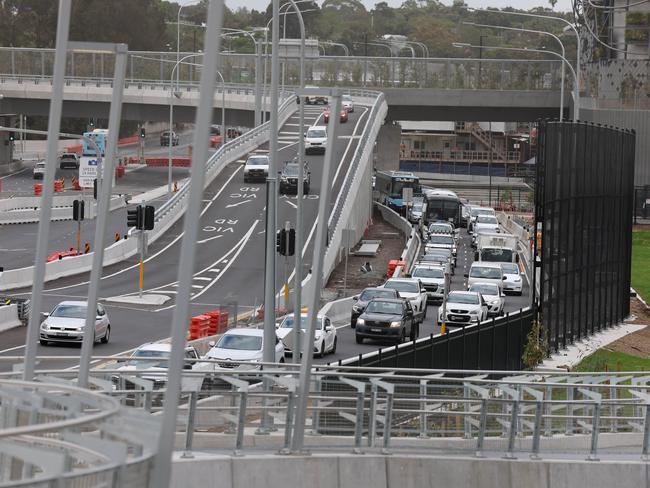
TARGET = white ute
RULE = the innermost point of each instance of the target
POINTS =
(413, 290)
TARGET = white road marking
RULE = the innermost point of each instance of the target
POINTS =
(203, 278)
(13, 250)
(198, 287)
(11, 348)
(13, 174)
(238, 203)
(291, 203)
(209, 239)
(214, 270)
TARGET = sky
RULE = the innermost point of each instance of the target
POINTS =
(562, 5)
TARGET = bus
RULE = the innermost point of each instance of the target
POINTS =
(442, 205)
(99, 136)
(390, 184)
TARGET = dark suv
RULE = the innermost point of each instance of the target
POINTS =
(289, 178)
(362, 299)
(387, 318)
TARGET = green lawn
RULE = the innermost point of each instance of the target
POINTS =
(641, 263)
(603, 360)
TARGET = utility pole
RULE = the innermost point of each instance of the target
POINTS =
(490, 167)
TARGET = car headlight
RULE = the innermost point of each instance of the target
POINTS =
(317, 335)
(360, 322)
(517, 280)
(473, 312)
(494, 302)
(396, 324)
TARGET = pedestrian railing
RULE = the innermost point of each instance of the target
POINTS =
(54, 434)
(541, 415)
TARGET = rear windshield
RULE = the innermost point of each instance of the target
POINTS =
(316, 133)
(485, 272)
(403, 286)
(428, 273)
(446, 240)
(368, 295)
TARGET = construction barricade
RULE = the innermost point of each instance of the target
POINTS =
(199, 326)
(38, 189)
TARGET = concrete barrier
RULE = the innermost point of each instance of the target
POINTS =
(338, 310)
(413, 241)
(9, 317)
(60, 212)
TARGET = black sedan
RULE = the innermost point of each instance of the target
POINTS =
(362, 299)
(387, 318)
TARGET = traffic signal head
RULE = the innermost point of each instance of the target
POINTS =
(12, 136)
(77, 210)
(281, 242)
(149, 212)
(95, 188)
(134, 218)
(142, 133)
(291, 238)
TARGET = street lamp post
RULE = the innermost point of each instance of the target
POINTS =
(569, 25)
(171, 114)
(576, 111)
(532, 31)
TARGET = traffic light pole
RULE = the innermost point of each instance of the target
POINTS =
(141, 246)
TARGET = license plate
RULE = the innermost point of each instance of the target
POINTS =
(456, 317)
(375, 330)
(62, 334)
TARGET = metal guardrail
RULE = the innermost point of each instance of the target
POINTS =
(55, 434)
(536, 414)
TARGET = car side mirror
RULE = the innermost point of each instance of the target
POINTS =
(212, 343)
(304, 134)
(504, 278)
(465, 276)
(329, 328)
(503, 295)
(355, 298)
(408, 275)
(187, 366)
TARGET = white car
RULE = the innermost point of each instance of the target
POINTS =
(433, 279)
(67, 321)
(475, 212)
(243, 345)
(486, 223)
(153, 358)
(39, 170)
(492, 295)
(316, 139)
(256, 167)
(464, 308)
(324, 339)
(347, 103)
(442, 241)
(485, 272)
(512, 278)
(413, 290)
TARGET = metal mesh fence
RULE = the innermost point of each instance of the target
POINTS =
(584, 198)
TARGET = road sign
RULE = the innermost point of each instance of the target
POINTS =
(407, 195)
(87, 171)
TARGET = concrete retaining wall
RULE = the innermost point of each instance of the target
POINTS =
(62, 210)
(9, 317)
(413, 241)
(401, 471)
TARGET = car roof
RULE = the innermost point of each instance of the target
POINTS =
(318, 127)
(429, 266)
(246, 331)
(485, 264)
(407, 280)
(156, 346)
(73, 302)
(461, 292)
(391, 300)
(373, 288)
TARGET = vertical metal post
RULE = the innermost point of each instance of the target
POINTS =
(189, 431)
(513, 429)
(646, 434)
(104, 196)
(537, 430)
(241, 423)
(288, 422)
(317, 277)
(315, 420)
(161, 472)
(372, 415)
(388, 422)
(569, 413)
(595, 430)
(482, 425)
(358, 423)
(258, 84)
(53, 126)
(423, 407)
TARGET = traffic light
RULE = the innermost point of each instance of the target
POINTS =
(95, 188)
(142, 133)
(149, 212)
(134, 218)
(281, 242)
(12, 136)
(77, 210)
(291, 238)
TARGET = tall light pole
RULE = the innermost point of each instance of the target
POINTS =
(171, 114)
(576, 110)
(178, 36)
(533, 31)
(568, 25)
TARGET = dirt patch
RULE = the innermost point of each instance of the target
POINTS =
(392, 245)
(637, 343)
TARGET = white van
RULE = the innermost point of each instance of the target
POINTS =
(316, 139)
(485, 272)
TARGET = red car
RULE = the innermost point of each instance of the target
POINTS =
(343, 119)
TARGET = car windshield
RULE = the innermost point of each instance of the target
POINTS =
(368, 295)
(482, 211)
(316, 133)
(496, 255)
(464, 298)
(485, 272)
(446, 240)
(257, 161)
(428, 273)
(484, 289)
(510, 268)
(379, 306)
(486, 219)
(40, 165)
(403, 286)
(70, 311)
(287, 323)
(147, 357)
(240, 342)
(346, 98)
(440, 228)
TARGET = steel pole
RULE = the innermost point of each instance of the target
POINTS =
(224, 136)
(490, 167)
(266, 56)
(160, 474)
(114, 118)
(269, 272)
(171, 121)
(297, 287)
(53, 126)
(258, 84)
(317, 280)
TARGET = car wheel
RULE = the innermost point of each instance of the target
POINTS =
(352, 325)
(334, 346)
(306, 190)
(44, 342)
(321, 352)
(359, 339)
(424, 314)
(107, 335)
(281, 360)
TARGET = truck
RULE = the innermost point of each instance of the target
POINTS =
(493, 247)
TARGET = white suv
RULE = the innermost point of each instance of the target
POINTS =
(256, 167)
(492, 295)
(316, 139)
(413, 290)
(433, 279)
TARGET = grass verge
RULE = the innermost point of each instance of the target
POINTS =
(604, 360)
(641, 263)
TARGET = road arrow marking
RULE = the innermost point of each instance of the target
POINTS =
(239, 203)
